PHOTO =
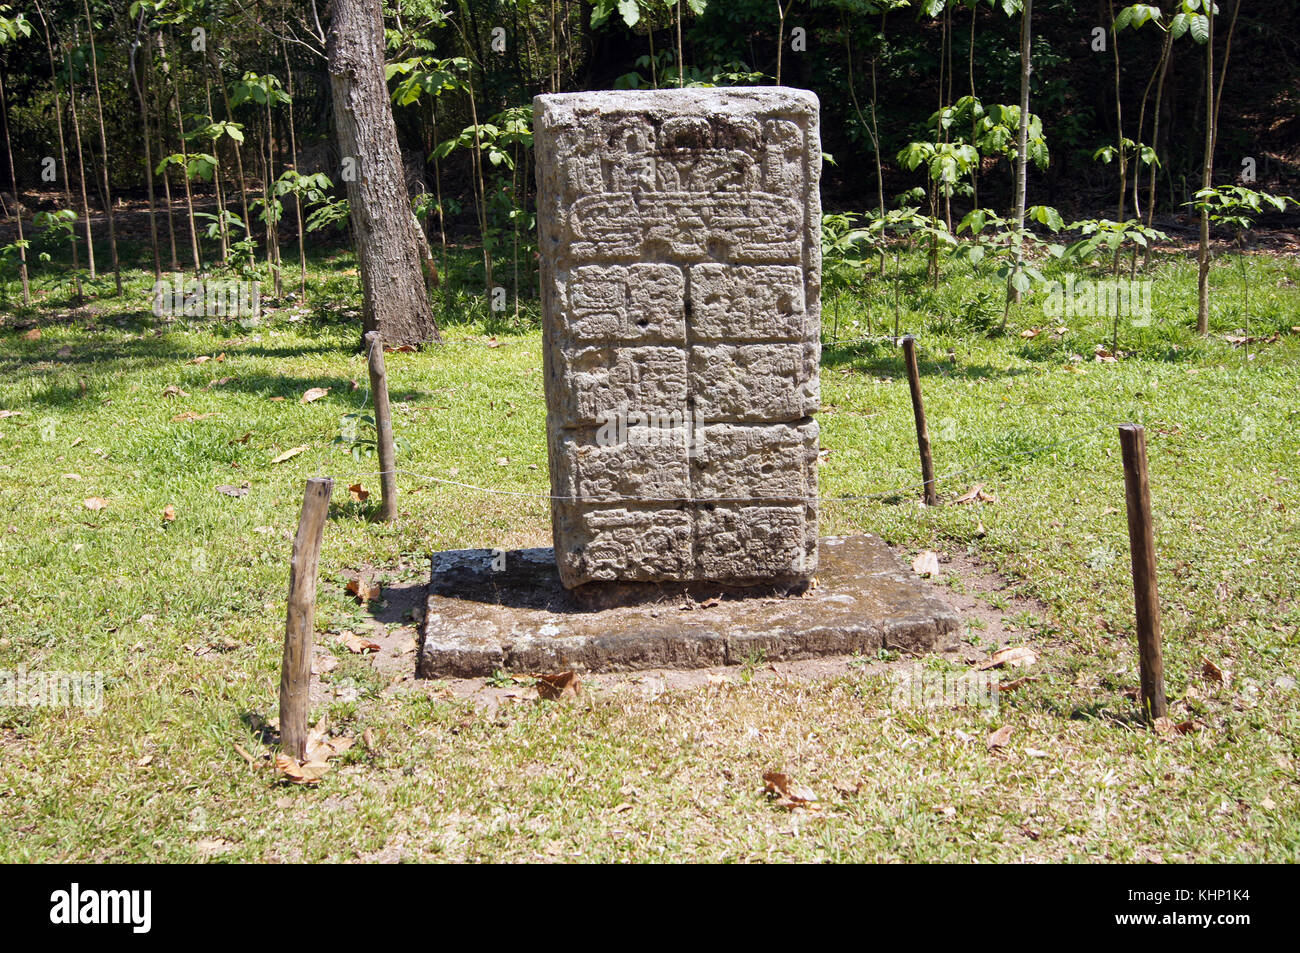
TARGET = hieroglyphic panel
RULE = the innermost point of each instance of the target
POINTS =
(681, 278)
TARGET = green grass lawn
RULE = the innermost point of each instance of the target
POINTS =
(185, 616)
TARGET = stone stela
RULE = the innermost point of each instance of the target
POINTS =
(681, 278)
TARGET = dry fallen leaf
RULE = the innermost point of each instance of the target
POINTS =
(190, 415)
(356, 644)
(1212, 673)
(300, 772)
(403, 349)
(926, 564)
(1030, 333)
(202, 359)
(236, 491)
(363, 589)
(324, 663)
(1012, 685)
(559, 686)
(999, 738)
(1167, 726)
(357, 493)
(95, 503)
(169, 513)
(171, 390)
(788, 793)
(290, 454)
(976, 494)
(10, 413)
(33, 335)
(1014, 656)
(316, 393)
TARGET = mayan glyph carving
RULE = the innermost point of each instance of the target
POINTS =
(681, 278)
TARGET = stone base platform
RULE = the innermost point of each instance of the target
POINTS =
(518, 617)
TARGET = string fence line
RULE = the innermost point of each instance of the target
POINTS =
(849, 498)
(917, 486)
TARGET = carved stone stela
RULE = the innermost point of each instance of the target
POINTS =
(681, 275)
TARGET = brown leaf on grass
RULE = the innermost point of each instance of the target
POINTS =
(33, 335)
(403, 349)
(189, 415)
(1013, 656)
(236, 491)
(356, 644)
(201, 359)
(976, 494)
(315, 393)
(94, 503)
(290, 454)
(999, 738)
(1030, 333)
(788, 794)
(559, 686)
(217, 382)
(493, 342)
(300, 772)
(849, 788)
(1212, 673)
(363, 589)
(169, 513)
(244, 439)
(1167, 726)
(357, 493)
(324, 663)
(1016, 683)
(321, 746)
(10, 413)
(926, 564)
(320, 749)
(171, 390)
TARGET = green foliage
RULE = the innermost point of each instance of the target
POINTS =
(1109, 238)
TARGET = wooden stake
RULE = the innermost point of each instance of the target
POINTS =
(295, 670)
(922, 429)
(383, 427)
(1142, 545)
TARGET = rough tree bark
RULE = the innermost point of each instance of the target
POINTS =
(388, 251)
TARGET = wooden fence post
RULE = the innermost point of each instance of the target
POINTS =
(1142, 545)
(295, 670)
(922, 429)
(383, 427)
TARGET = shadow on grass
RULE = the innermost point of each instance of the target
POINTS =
(881, 358)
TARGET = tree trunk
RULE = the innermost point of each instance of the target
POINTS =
(293, 164)
(138, 83)
(18, 202)
(81, 168)
(1022, 159)
(387, 250)
(103, 145)
(185, 153)
(63, 148)
(1207, 181)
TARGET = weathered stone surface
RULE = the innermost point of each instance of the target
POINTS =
(681, 276)
(521, 618)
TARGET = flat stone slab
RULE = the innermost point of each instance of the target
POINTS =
(493, 609)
